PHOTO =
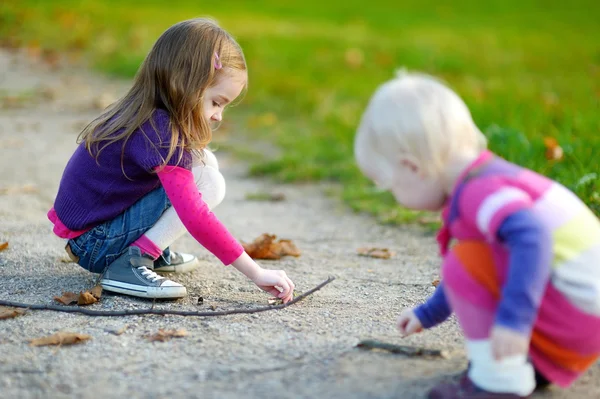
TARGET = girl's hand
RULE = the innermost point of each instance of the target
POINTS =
(408, 323)
(506, 342)
(276, 283)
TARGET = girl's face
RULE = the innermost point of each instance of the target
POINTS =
(227, 88)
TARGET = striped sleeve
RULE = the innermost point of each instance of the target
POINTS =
(487, 202)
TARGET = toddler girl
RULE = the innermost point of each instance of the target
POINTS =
(523, 277)
(142, 175)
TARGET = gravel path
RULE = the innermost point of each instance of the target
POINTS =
(304, 351)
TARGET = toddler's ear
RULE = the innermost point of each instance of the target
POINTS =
(408, 163)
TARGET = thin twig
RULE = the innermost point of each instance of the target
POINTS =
(105, 313)
(402, 349)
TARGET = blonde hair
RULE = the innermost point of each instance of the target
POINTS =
(186, 59)
(415, 115)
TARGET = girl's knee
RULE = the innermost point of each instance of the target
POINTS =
(211, 184)
(209, 159)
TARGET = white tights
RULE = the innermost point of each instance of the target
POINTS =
(211, 185)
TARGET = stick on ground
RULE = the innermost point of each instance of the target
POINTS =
(401, 349)
(107, 313)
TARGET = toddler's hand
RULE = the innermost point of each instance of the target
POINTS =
(276, 283)
(506, 342)
(408, 323)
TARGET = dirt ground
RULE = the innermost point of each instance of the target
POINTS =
(304, 351)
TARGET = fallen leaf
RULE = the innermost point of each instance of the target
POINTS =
(85, 298)
(67, 298)
(9, 313)
(260, 248)
(554, 152)
(166, 335)
(82, 299)
(274, 197)
(287, 247)
(60, 338)
(380, 253)
(435, 282)
(3, 246)
(265, 247)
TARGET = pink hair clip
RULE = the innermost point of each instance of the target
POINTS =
(218, 64)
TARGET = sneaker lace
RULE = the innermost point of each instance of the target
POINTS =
(149, 274)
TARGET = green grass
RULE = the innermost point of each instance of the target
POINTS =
(527, 69)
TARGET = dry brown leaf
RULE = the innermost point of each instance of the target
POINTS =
(260, 248)
(67, 298)
(435, 282)
(166, 335)
(554, 152)
(287, 247)
(60, 338)
(3, 246)
(380, 253)
(9, 313)
(85, 298)
(82, 299)
(266, 247)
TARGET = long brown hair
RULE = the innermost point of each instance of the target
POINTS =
(174, 76)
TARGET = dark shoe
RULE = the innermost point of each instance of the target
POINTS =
(465, 389)
(176, 263)
(541, 382)
(132, 274)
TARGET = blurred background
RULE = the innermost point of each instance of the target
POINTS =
(529, 70)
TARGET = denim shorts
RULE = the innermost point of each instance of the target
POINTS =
(100, 246)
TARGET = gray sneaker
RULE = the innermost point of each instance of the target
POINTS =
(132, 274)
(178, 263)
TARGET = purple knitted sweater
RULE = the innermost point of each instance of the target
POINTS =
(93, 192)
